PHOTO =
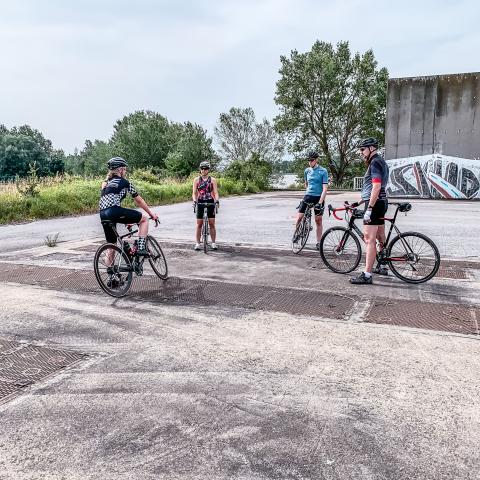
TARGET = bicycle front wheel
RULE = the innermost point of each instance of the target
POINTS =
(205, 234)
(414, 258)
(300, 236)
(156, 258)
(340, 250)
(113, 270)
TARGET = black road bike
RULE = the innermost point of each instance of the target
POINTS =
(115, 264)
(205, 224)
(303, 229)
(411, 256)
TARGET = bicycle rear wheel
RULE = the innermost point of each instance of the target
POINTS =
(340, 250)
(113, 270)
(157, 259)
(300, 237)
(416, 258)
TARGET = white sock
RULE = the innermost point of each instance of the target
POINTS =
(368, 275)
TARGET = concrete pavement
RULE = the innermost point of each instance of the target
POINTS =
(249, 363)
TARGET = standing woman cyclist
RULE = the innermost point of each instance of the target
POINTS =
(114, 189)
(205, 195)
(374, 195)
(316, 184)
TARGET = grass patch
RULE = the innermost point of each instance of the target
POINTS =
(73, 196)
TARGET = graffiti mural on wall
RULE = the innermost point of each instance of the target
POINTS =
(435, 176)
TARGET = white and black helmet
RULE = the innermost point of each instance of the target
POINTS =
(116, 162)
(204, 164)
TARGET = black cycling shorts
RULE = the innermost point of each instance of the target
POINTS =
(209, 205)
(318, 209)
(118, 215)
(378, 212)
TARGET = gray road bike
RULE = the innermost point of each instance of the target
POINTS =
(303, 229)
(205, 225)
(115, 264)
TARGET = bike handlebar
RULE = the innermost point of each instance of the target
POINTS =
(129, 226)
(333, 211)
(196, 203)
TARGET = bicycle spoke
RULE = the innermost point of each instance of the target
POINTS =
(340, 250)
(414, 258)
(113, 270)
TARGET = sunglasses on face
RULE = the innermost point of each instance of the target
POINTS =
(363, 148)
(205, 168)
(312, 159)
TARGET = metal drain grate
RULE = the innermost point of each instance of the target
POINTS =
(258, 297)
(430, 316)
(22, 365)
(192, 291)
(452, 272)
(433, 316)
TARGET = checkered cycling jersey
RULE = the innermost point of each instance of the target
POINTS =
(115, 191)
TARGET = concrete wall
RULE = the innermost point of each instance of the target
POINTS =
(428, 116)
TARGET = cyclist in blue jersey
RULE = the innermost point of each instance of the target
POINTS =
(114, 189)
(374, 195)
(316, 184)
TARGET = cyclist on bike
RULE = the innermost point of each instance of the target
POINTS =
(316, 184)
(374, 196)
(205, 195)
(114, 189)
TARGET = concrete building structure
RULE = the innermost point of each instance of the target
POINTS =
(432, 138)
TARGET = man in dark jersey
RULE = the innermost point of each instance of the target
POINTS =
(114, 189)
(205, 195)
(374, 196)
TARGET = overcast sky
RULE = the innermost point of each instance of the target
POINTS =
(72, 68)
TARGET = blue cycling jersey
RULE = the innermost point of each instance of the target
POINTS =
(315, 177)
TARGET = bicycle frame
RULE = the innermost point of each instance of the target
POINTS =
(137, 262)
(350, 219)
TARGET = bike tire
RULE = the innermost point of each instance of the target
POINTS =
(115, 283)
(156, 258)
(428, 253)
(205, 234)
(340, 260)
(302, 231)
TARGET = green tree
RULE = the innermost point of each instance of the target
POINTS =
(92, 160)
(192, 146)
(143, 139)
(54, 160)
(241, 137)
(254, 170)
(329, 99)
(17, 153)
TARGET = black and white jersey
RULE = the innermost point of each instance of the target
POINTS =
(115, 191)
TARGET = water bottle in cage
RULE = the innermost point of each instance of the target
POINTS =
(134, 248)
(126, 247)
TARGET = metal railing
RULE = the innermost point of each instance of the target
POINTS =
(357, 183)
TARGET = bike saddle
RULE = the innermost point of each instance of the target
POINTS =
(356, 213)
(405, 207)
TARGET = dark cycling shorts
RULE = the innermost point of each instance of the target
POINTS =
(318, 209)
(118, 215)
(378, 212)
(209, 205)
